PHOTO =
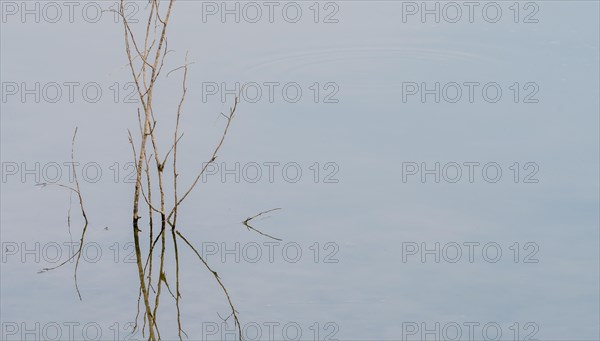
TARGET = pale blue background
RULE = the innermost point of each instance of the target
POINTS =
(369, 133)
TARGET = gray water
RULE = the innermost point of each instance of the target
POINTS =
(500, 241)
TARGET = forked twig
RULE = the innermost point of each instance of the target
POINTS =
(218, 279)
(247, 221)
(146, 62)
(77, 190)
(212, 159)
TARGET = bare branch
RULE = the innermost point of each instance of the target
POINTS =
(218, 279)
(247, 221)
(212, 159)
(77, 190)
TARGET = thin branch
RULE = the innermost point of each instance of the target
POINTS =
(218, 279)
(247, 221)
(179, 68)
(77, 190)
(212, 159)
(175, 175)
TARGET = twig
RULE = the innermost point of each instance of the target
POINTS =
(212, 159)
(218, 279)
(247, 221)
(77, 190)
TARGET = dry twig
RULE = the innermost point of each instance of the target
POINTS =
(247, 221)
